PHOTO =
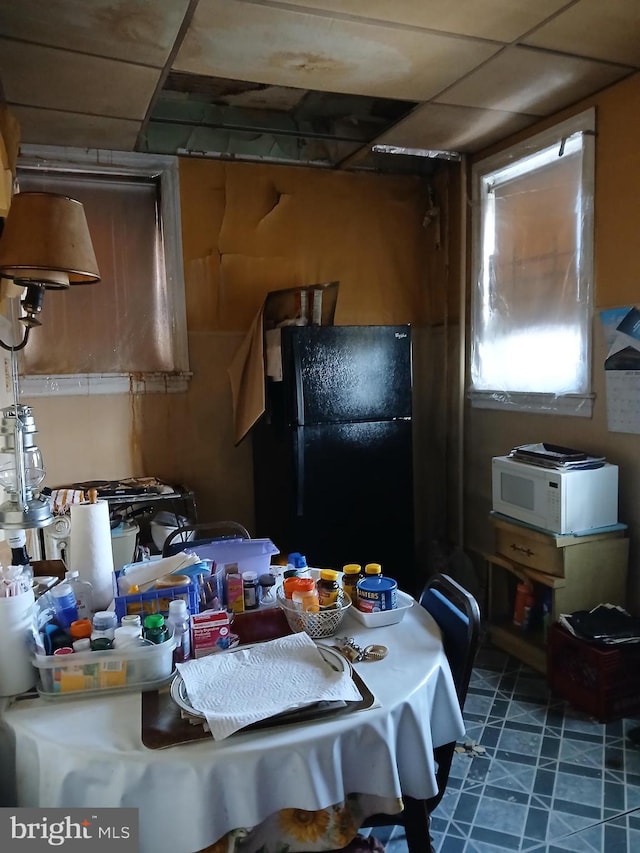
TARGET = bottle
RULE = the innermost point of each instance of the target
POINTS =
(372, 569)
(104, 625)
(81, 629)
(250, 590)
(350, 577)
(83, 592)
(523, 604)
(132, 620)
(64, 603)
(17, 540)
(305, 596)
(155, 629)
(297, 561)
(328, 587)
(267, 583)
(178, 621)
(82, 645)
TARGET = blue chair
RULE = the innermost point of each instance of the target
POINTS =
(458, 616)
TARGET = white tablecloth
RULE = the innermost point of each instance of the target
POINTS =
(88, 752)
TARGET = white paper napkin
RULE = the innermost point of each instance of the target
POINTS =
(234, 689)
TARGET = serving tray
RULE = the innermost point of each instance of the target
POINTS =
(163, 724)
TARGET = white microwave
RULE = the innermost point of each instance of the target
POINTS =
(554, 500)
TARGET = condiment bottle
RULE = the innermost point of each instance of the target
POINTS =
(372, 569)
(328, 587)
(305, 595)
(155, 629)
(350, 578)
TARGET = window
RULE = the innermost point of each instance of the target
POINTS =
(532, 266)
(128, 331)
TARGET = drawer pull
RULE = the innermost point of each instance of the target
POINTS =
(522, 550)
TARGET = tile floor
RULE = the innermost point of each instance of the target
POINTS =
(552, 779)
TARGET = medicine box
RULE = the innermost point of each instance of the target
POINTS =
(144, 667)
(210, 633)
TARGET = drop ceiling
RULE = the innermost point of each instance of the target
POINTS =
(317, 82)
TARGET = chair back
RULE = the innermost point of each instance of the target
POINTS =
(186, 535)
(458, 616)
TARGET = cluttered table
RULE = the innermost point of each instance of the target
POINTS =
(104, 751)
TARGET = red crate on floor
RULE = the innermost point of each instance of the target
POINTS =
(602, 681)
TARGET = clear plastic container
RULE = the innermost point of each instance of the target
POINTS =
(142, 666)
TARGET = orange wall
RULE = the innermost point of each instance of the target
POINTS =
(617, 282)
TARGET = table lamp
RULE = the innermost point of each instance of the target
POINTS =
(45, 245)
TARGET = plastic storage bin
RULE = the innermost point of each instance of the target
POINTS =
(250, 555)
(145, 667)
(154, 600)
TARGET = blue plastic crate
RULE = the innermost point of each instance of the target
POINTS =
(155, 600)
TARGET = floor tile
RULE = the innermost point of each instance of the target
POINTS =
(552, 779)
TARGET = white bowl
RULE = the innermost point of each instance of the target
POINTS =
(380, 618)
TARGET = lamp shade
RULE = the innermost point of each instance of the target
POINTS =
(46, 241)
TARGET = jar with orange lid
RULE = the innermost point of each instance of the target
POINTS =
(328, 587)
(350, 577)
(80, 629)
(305, 595)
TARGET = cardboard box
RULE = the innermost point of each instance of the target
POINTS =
(294, 306)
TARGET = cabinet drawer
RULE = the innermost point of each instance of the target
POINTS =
(530, 549)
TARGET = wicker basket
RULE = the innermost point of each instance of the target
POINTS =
(317, 624)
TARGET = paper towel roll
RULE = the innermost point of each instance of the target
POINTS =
(90, 552)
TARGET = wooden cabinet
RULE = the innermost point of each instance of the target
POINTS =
(566, 572)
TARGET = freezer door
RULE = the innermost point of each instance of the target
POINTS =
(354, 496)
(341, 374)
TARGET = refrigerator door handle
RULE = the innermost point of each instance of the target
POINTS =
(299, 485)
(299, 387)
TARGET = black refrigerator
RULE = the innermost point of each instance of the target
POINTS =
(333, 470)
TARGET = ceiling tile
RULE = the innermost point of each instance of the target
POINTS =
(531, 81)
(116, 29)
(281, 47)
(37, 76)
(609, 31)
(491, 19)
(454, 129)
(53, 127)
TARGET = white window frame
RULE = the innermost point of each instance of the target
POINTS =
(119, 163)
(577, 404)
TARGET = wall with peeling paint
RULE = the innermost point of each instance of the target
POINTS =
(248, 229)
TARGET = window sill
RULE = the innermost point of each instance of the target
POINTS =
(84, 384)
(578, 405)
